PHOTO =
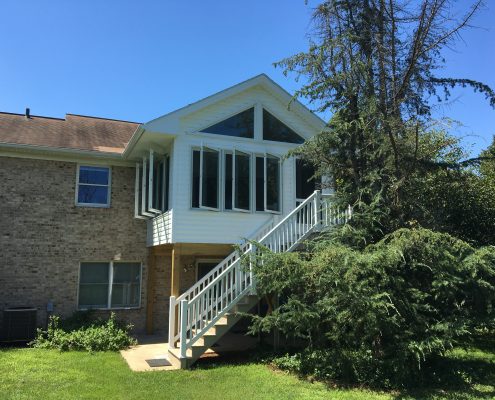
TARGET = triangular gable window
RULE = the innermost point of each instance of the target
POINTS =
(239, 125)
(273, 129)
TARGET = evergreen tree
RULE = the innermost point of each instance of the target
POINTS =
(375, 65)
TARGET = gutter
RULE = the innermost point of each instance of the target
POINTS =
(45, 151)
(134, 139)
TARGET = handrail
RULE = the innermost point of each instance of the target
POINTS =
(201, 306)
(225, 261)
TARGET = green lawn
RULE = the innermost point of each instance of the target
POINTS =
(48, 374)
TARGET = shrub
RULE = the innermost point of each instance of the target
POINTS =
(84, 334)
(381, 315)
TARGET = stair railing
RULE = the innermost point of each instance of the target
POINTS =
(197, 310)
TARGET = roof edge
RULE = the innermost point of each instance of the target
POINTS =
(62, 150)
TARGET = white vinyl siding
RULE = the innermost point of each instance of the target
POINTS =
(187, 224)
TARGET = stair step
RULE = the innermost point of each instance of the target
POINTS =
(212, 335)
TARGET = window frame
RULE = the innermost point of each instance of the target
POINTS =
(110, 284)
(283, 121)
(219, 178)
(234, 180)
(265, 156)
(109, 186)
(265, 177)
(230, 115)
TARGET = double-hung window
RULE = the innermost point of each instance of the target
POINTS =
(268, 183)
(109, 285)
(205, 178)
(93, 186)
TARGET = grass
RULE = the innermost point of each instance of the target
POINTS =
(49, 374)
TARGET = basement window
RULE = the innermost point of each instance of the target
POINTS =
(93, 186)
(109, 285)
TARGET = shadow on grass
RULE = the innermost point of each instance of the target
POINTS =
(464, 374)
(457, 378)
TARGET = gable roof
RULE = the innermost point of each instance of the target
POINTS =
(170, 121)
(259, 80)
(75, 132)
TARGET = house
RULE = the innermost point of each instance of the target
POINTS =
(116, 215)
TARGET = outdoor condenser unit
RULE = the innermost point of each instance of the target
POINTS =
(19, 324)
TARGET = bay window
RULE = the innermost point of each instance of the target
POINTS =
(109, 285)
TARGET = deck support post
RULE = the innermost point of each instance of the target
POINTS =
(172, 318)
(176, 270)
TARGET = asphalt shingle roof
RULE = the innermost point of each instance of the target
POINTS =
(73, 132)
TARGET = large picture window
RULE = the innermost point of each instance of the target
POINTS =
(93, 186)
(268, 183)
(109, 285)
(205, 178)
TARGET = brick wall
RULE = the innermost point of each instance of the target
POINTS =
(44, 236)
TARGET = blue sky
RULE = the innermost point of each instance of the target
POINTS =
(136, 60)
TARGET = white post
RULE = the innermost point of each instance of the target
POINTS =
(251, 273)
(171, 322)
(183, 328)
(317, 205)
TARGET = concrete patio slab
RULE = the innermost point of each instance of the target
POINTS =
(156, 347)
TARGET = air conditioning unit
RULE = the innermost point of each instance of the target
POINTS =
(19, 324)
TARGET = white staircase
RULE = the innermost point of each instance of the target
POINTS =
(205, 312)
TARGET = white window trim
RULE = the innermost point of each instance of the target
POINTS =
(250, 156)
(137, 199)
(109, 187)
(284, 121)
(219, 178)
(268, 155)
(110, 284)
(230, 115)
(151, 184)
(143, 190)
(264, 156)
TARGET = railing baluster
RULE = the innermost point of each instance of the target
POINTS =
(200, 307)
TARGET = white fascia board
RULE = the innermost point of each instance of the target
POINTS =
(171, 122)
(60, 154)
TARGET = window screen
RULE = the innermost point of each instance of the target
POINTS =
(93, 285)
(126, 284)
